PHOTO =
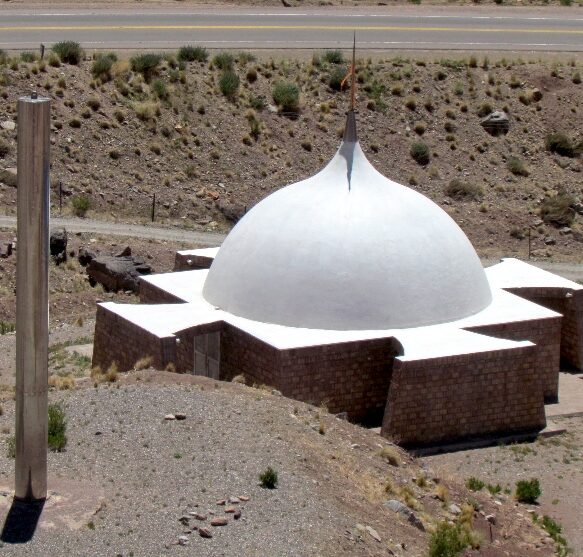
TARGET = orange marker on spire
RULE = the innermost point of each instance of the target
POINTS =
(352, 75)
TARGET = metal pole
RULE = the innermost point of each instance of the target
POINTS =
(32, 311)
(153, 207)
(60, 197)
(529, 240)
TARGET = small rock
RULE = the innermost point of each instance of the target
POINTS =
(237, 514)
(221, 502)
(8, 125)
(180, 416)
(169, 417)
(230, 509)
(491, 518)
(565, 230)
(234, 500)
(198, 516)
(244, 498)
(536, 95)
(373, 533)
(413, 519)
(549, 241)
(126, 252)
(454, 509)
(398, 507)
(9, 176)
(184, 520)
(219, 521)
(204, 533)
(182, 540)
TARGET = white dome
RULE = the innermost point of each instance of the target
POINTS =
(348, 249)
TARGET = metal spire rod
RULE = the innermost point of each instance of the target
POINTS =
(353, 75)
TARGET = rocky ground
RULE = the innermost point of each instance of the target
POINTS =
(207, 158)
(134, 483)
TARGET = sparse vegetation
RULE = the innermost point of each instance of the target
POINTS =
(391, 455)
(146, 64)
(224, 61)
(464, 191)
(528, 491)
(333, 57)
(448, 540)
(561, 144)
(81, 205)
(11, 447)
(474, 484)
(420, 153)
(229, 83)
(57, 428)
(558, 209)
(69, 52)
(193, 54)
(287, 96)
(268, 478)
(517, 167)
(101, 68)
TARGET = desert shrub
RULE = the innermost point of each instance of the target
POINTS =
(251, 75)
(28, 56)
(337, 77)
(287, 96)
(411, 103)
(484, 110)
(528, 491)
(420, 128)
(93, 103)
(11, 447)
(229, 83)
(245, 57)
(268, 478)
(517, 167)
(333, 57)
(69, 52)
(4, 148)
(474, 484)
(391, 455)
(448, 540)
(146, 111)
(554, 530)
(7, 327)
(463, 191)
(160, 89)
(57, 428)
(81, 205)
(223, 61)
(420, 153)
(576, 78)
(193, 54)
(3, 56)
(101, 68)
(558, 209)
(257, 103)
(146, 64)
(559, 143)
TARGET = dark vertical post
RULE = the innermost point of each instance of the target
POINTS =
(153, 207)
(32, 311)
(60, 197)
(42, 51)
(529, 229)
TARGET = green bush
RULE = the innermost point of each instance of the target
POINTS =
(193, 54)
(474, 484)
(81, 205)
(559, 143)
(102, 64)
(7, 327)
(229, 83)
(448, 540)
(287, 96)
(268, 478)
(223, 61)
(257, 103)
(11, 447)
(57, 428)
(557, 209)
(28, 56)
(484, 110)
(146, 64)
(517, 167)
(464, 191)
(336, 77)
(3, 56)
(69, 52)
(420, 153)
(334, 57)
(528, 491)
(160, 89)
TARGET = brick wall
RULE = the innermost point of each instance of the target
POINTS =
(546, 334)
(184, 362)
(569, 303)
(118, 340)
(150, 294)
(464, 397)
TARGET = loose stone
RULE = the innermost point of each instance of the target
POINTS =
(205, 533)
(219, 521)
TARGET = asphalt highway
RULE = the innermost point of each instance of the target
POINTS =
(382, 28)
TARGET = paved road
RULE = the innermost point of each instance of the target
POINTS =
(203, 239)
(403, 27)
(571, 271)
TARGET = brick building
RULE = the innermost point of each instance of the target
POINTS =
(351, 290)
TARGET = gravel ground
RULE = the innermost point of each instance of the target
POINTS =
(128, 476)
